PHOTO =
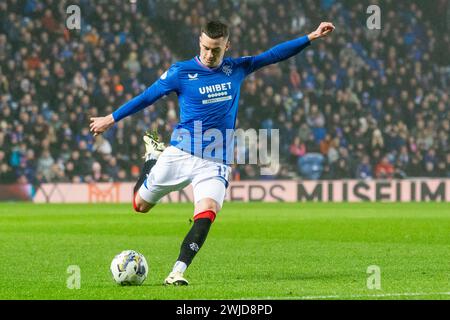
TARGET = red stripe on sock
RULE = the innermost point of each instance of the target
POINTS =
(211, 215)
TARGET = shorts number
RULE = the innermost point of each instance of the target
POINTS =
(223, 172)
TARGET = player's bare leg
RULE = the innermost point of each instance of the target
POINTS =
(153, 148)
(204, 214)
(140, 205)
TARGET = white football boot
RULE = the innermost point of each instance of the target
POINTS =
(176, 278)
(153, 148)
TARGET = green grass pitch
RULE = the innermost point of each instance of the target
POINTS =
(254, 251)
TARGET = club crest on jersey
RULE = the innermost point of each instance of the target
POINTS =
(227, 69)
(193, 76)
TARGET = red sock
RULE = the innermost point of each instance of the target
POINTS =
(211, 215)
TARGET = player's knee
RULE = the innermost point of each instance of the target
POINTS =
(207, 204)
(141, 206)
(206, 208)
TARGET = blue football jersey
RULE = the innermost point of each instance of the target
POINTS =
(208, 99)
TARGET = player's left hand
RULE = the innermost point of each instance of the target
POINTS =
(323, 30)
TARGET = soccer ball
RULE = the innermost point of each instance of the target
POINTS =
(129, 268)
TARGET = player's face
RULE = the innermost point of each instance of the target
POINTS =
(212, 50)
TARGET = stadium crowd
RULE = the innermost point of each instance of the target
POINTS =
(364, 103)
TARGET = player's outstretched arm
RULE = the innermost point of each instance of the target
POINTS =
(164, 85)
(99, 125)
(287, 49)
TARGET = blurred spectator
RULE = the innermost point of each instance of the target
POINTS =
(112, 169)
(96, 174)
(333, 151)
(325, 144)
(44, 165)
(122, 176)
(415, 167)
(102, 145)
(6, 174)
(377, 140)
(250, 172)
(384, 169)
(364, 169)
(340, 169)
(135, 172)
(430, 169)
(297, 148)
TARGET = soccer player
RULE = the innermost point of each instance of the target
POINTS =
(208, 88)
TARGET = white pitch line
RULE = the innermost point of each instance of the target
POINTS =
(352, 296)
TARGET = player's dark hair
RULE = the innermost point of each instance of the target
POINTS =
(215, 29)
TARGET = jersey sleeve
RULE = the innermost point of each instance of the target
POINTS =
(276, 54)
(167, 83)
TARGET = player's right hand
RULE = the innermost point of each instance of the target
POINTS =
(99, 125)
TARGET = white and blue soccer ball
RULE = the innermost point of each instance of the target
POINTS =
(129, 268)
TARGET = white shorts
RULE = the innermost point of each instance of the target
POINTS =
(175, 169)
